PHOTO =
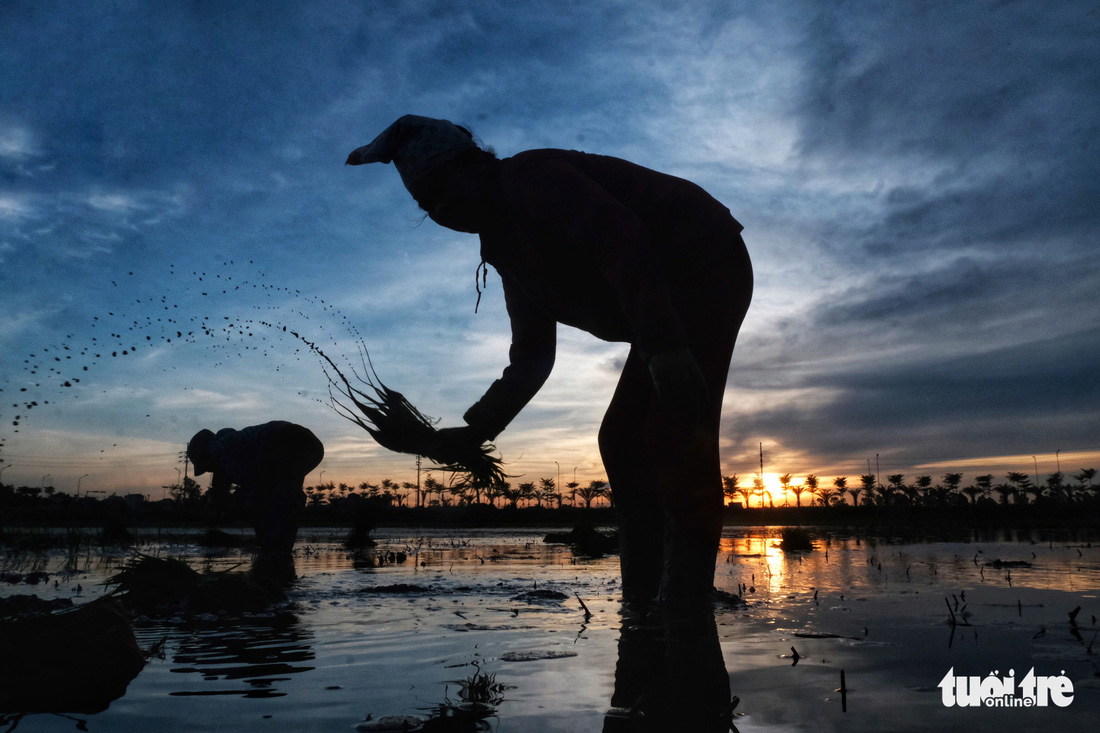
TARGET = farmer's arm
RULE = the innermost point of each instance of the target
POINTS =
(530, 361)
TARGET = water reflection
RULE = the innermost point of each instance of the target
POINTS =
(260, 653)
(860, 561)
(383, 653)
(670, 675)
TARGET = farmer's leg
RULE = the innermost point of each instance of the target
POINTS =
(293, 453)
(712, 311)
(690, 478)
(628, 463)
(278, 517)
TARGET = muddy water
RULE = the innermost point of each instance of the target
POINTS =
(358, 641)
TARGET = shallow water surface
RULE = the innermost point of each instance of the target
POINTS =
(358, 640)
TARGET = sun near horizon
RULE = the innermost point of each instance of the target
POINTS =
(773, 490)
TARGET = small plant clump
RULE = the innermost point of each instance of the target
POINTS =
(796, 539)
(482, 688)
(168, 585)
(359, 537)
(585, 540)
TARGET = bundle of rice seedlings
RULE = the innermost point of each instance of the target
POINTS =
(148, 582)
(152, 584)
(397, 425)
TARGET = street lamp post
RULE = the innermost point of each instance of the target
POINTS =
(78, 484)
(557, 487)
(2, 472)
(44, 480)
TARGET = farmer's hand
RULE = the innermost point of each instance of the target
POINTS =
(453, 443)
(680, 384)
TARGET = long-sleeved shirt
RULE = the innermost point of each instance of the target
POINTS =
(260, 452)
(597, 243)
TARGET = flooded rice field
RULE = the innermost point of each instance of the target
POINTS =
(496, 630)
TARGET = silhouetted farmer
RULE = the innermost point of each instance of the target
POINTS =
(627, 254)
(268, 463)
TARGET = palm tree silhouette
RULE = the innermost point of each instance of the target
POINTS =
(809, 484)
(984, 483)
(730, 489)
(924, 483)
(527, 491)
(1056, 486)
(509, 494)
(572, 486)
(867, 483)
(594, 490)
(897, 483)
(431, 486)
(758, 488)
(842, 484)
(1084, 481)
(785, 484)
(854, 492)
(1005, 490)
(746, 494)
(1086, 475)
(912, 493)
(1020, 482)
(548, 492)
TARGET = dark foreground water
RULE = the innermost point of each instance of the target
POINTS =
(356, 643)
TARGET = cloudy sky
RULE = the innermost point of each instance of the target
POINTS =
(918, 184)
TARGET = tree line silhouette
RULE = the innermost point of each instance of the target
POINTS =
(923, 491)
(189, 493)
(187, 499)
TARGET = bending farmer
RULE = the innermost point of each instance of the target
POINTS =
(627, 254)
(268, 463)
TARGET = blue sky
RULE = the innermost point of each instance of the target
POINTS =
(918, 185)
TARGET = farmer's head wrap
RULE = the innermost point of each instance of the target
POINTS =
(415, 145)
(196, 451)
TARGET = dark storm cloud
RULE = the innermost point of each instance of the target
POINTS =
(957, 80)
(958, 320)
(979, 296)
(1054, 375)
(1006, 400)
(1000, 97)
